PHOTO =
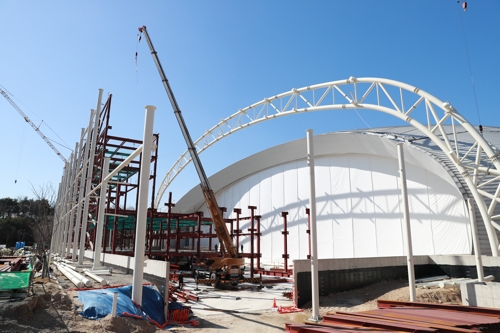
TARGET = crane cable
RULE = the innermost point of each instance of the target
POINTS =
(470, 67)
(139, 37)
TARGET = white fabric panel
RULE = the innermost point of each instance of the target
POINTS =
(291, 196)
(421, 231)
(448, 218)
(363, 210)
(343, 246)
(388, 215)
(265, 209)
(359, 212)
(278, 186)
(323, 209)
(254, 195)
(303, 201)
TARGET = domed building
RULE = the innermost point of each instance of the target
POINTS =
(358, 195)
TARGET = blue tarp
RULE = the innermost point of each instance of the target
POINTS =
(98, 303)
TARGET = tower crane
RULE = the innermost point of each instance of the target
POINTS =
(4, 93)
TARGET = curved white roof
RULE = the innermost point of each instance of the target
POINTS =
(379, 141)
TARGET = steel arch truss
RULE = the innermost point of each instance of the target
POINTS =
(479, 166)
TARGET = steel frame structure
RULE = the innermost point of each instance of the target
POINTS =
(479, 166)
(74, 219)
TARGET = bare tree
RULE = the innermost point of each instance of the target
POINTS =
(41, 213)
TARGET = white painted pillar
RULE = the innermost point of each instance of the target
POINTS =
(475, 240)
(406, 224)
(100, 215)
(72, 198)
(62, 217)
(314, 237)
(90, 168)
(142, 206)
(81, 191)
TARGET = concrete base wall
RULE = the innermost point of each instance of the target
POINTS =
(337, 275)
(153, 268)
(485, 294)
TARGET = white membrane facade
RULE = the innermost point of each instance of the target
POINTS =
(358, 198)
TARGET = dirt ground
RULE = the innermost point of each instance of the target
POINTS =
(54, 309)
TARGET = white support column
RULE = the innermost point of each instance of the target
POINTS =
(406, 224)
(81, 189)
(62, 216)
(72, 198)
(67, 206)
(90, 169)
(314, 237)
(142, 206)
(100, 216)
(53, 240)
(475, 240)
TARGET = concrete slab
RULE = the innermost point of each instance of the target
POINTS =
(253, 300)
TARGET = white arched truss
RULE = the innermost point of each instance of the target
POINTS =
(480, 166)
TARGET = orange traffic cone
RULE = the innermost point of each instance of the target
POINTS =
(274, 303)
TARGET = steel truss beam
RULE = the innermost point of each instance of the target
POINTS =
(478, 167)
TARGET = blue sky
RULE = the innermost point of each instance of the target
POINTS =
(221, 56)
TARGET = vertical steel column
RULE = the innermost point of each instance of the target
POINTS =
(73, 189)
(115, 220)
(314, 237)
(257, 218)
(252, 231)
(53, 240)
(308, 232)
(177, 238)
(90, 170)
(210, 238)
(108, 209)
(406, 224)
(81, 191)
(101, 215)
(67, 204)
(64, 210)
(169, 218)
(285, 233)
(237, 231)
(142, 208)
(475, 240)
(198, 248)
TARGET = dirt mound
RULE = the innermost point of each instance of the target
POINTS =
(52, 309)
(126, 325)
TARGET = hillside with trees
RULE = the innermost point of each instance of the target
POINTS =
(28, 220)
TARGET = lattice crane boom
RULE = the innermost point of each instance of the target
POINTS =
(4, 93)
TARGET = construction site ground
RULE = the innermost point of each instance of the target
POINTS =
(54, 307)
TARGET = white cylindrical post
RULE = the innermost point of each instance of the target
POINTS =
(73, 190)
(90, 169)
(142, 206)
(81, 190)
(100, 215)
(115, 302)
(475, 240)
(314, 244)
(406, 224)
(62, 217)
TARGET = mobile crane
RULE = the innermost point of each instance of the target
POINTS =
(4, 93)
(227, 268)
